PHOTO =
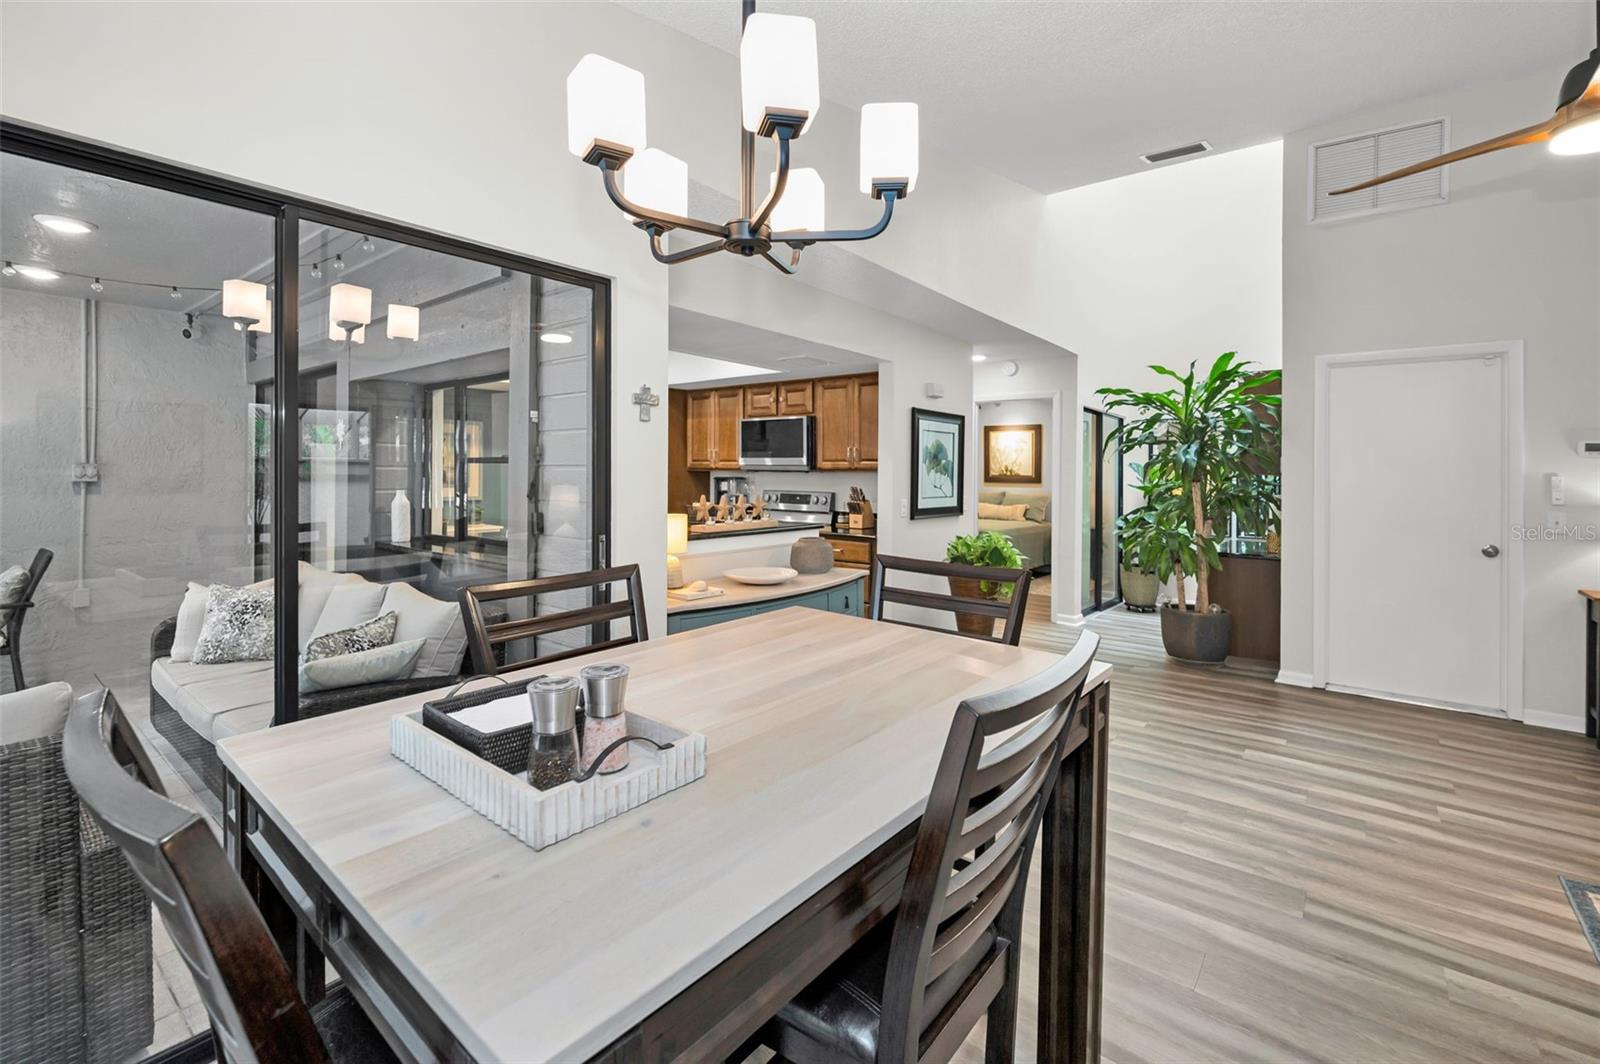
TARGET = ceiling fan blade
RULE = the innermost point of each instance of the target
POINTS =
(1530, 135)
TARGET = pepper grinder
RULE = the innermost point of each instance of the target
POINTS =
(553, 749)
(604, 686)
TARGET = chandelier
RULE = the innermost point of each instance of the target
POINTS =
(779, 97)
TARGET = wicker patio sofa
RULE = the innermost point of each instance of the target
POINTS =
(195, 706)
(74, 923)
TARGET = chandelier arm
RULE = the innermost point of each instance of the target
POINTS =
(776, 262)
(802, 237)
(783, 138)
(670, 221)
(672, 258)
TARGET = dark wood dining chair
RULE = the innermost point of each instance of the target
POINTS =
(485, 634)
(13, 613)
(256, 1013)
(975, 616)
(914, 988)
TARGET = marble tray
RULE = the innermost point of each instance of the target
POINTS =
(540, 818)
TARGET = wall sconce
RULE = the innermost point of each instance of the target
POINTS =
(349, 309)
(404, 323)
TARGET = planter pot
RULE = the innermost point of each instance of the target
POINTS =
(1199, 638)
(1139, 590)
(971, 623)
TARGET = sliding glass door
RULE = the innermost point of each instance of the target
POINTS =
(1101, 581)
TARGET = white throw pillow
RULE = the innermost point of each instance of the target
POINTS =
(34, 713)
(393, 662)
(995, 512)
(349, 605)
(191, 618)
(315, 586)
(438, 622)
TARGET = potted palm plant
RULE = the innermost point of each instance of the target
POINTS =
(1211, 438)
(990, 550)
(1148, 538)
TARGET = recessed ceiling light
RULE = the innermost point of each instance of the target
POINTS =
(38, 273)
(555, 338)
(60, 223)
(980, 358)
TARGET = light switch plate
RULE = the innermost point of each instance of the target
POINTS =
(905, 507)
(1556, 520)
(1558, 490)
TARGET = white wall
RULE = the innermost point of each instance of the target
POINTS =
(1514, 255)
(1171, 265)
(173, 445)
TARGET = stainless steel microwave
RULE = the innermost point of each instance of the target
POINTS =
(778, 443)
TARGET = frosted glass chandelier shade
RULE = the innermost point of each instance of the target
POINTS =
(605, 101)
(355, 336)
(778, 68)
(404, 323)
(244, 300)
(1577, 138)
(349, 307)
(803, 205)
(889, 149)
(657, 181)
(265, 324)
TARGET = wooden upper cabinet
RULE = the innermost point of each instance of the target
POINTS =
(761, 400)
(836, 399)
(701, 419)
(795, 397)
(866, 422)
(730, 408)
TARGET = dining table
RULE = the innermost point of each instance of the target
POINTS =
(677, 929)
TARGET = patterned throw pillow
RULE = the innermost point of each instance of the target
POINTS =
(12, 584)
(238, 626)
(378, 632)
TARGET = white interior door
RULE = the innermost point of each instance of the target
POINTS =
(1414, 497)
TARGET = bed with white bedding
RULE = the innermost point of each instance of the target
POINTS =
(1028, 529)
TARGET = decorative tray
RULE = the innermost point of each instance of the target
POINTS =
(540, 818)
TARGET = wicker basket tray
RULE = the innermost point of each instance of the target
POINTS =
(540, 818)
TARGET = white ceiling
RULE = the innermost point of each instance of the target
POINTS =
(768, 355)
(1060, 94)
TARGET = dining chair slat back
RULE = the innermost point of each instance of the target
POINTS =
(984, 611)
(256, 1012)
(960, 914)
(486, 635)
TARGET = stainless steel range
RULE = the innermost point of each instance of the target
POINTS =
(799, 507)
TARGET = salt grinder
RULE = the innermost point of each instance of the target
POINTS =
(604, 687)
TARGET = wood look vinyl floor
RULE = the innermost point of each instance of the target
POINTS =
(1296, 875)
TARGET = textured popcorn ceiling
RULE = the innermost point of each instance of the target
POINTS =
(1055, 95)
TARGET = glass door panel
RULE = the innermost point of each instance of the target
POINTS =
(1102, 505)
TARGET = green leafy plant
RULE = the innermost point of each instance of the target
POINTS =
(1214, 443)
(989, 549)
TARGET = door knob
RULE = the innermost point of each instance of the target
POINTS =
(1491, 551)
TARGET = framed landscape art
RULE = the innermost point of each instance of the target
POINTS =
(1012, 454)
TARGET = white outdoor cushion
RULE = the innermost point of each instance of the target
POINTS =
(34, 713)
(191, 618)
(434, 620)
(392, 662)
(203, 693)
(252, 718)
(349, 605)
(315, 586)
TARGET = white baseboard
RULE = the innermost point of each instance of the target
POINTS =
(1294, 679)
(1541, 718)
(1071, 620)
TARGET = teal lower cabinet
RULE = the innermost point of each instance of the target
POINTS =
(846, 598)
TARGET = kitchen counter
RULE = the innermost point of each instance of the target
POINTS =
(735, 530)
(737, 594)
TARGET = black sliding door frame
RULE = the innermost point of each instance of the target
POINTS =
(1097, 516)
(289, 212)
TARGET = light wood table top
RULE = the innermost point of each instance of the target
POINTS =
(823, 732)
(737, 594)
(1588, 593)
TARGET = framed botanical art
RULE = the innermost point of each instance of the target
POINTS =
(938, 463)
(1012, 454)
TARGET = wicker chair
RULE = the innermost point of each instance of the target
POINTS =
(12, 614)
(75, 927)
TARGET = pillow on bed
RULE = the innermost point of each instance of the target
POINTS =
(994, 512)
(1037, 505)
(991, 497)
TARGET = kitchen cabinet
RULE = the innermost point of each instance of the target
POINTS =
(784, 399)
(712, 418)
(847, 598)
(847, 422)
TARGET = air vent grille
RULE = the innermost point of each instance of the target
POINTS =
(1199, 147)
(1352, 160)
